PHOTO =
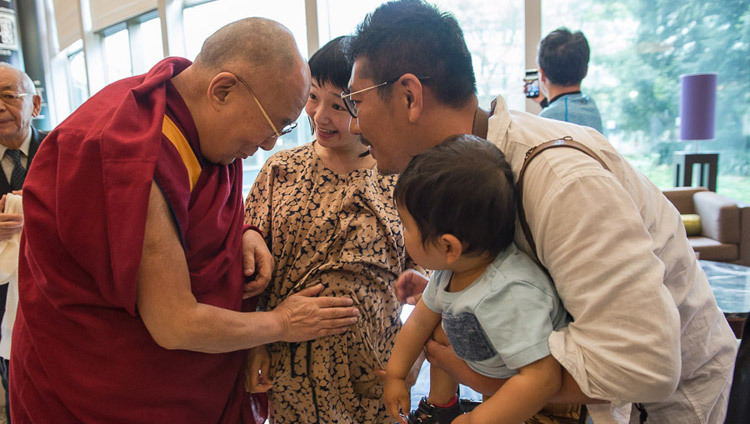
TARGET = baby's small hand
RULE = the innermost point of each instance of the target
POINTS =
(396, 398)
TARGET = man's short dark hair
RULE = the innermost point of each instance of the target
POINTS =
(464, 187)
(564, 57)
(330, 65)
(411, 36)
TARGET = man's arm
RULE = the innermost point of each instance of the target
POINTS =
(176, 320)
(520, 397)
(445, 358)
(595, 242)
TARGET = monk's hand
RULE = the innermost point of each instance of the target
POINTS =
(257, 263)
(257, 372)
(305, 317)
(409, 286)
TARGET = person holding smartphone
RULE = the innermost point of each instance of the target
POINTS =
(563, 59)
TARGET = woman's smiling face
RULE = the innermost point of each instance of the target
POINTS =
(329, 117)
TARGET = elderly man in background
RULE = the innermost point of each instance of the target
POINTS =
(19, 141)
(135, 253)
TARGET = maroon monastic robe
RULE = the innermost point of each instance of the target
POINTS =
(81, 352)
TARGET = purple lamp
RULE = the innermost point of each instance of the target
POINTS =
(697, 112)
(697, 106)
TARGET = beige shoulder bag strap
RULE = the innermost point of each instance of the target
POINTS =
(566, 141)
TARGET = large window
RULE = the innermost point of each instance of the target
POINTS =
(639, 49)
(204, 19)
(78, 89)
(132, 47)
(149, 48)
(116, 46)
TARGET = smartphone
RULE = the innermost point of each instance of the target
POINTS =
(531, 83)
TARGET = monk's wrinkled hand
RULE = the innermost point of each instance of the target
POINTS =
(305, 317)
(257, 263)
(257, 378)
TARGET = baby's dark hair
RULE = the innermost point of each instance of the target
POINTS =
(464, 187)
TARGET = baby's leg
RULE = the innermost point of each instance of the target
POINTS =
(442, 386)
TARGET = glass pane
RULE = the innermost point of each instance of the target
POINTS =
(151, 49)
(341, 17)
(203, 20)
(495, 38)
(78, 88)
(639, 49)
(494, 32)
(117, 55)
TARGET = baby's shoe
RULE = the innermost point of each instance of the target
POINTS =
(428, 413)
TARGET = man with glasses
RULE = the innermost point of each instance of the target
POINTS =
(646, 328)
(137, 257)
(19, 141)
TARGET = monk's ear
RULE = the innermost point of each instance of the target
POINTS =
(411, 91)
(220, 87)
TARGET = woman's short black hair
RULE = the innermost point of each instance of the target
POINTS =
(463, 187)
(330, 65)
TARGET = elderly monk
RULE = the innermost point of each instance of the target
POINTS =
(133, 279)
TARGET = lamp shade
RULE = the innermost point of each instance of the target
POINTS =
(697, 106)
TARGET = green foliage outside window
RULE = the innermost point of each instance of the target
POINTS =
(639, 50)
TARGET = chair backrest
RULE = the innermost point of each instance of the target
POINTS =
(738, 409)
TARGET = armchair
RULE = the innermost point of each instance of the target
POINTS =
(725, 224)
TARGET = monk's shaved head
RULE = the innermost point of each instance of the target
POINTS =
(253, 42)
(234, 120)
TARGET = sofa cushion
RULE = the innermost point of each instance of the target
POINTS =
(692, 222)
(720, 216)
(712, 250)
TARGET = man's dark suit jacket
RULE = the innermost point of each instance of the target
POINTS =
(36, 139)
